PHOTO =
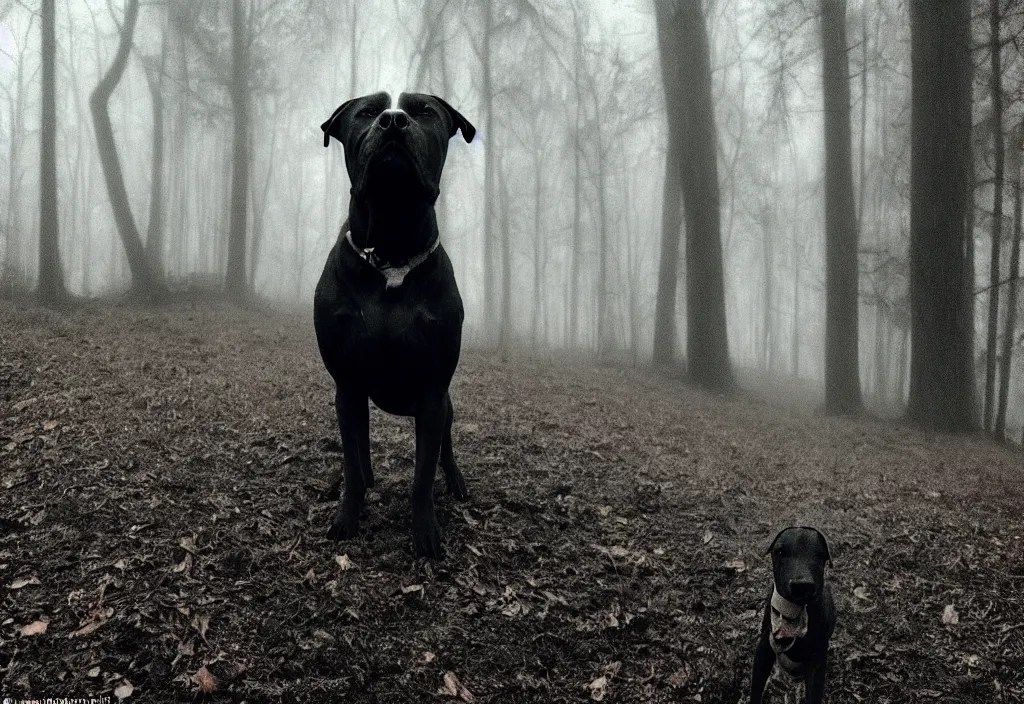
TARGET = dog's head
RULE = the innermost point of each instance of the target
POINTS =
(396, 152)
(799, 555)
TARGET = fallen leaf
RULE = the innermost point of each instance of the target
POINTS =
(737, 564)
(188, 543)
(344, 562)
(50, 425)
(93, 672)
(678, 678)
(206, 682)
(35, 628)
(201, 624)
(454, 688)
(950, 617)
(861, 593)
(412, 588)
(598, 688)
(96, 619)
(428, 656)
(23, 582)
(707, 537)
(184, 565)
(124, 690)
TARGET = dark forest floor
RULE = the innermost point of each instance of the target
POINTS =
(161, 510)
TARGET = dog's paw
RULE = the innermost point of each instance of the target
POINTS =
(426, 539)
(345, 526)
(455, 483)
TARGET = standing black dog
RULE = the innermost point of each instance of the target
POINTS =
(799, 616)
(387, 311)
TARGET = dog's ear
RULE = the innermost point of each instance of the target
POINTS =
(331, 125)
(824, 544)
(771, 545)
(458, 121)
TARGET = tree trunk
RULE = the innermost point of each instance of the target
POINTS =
(234, 279)
(490, 307)
(577, 231)
(996, 88)
(1009, 329)
(941, 383)
(51, 275)
(842, 372)
(505, 331)
(692, 124)
(155, 228)
(144, 281)
(671, 217)
(538, 252)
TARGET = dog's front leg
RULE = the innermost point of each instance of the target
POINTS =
(764, 660)
(353, 409)
(431, 415)
(814, 681)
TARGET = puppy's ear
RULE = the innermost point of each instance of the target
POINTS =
(458, 121)
(824, 544)
(771, 545)
(332, 125)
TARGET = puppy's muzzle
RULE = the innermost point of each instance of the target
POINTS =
(393, 121)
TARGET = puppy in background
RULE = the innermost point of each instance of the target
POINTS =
(799, 616)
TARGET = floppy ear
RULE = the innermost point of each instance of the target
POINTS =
(768, 550)
(458, 121)
(330, 128)
(824, 542)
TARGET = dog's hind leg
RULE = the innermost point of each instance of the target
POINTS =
(453, 478)
(354, 423)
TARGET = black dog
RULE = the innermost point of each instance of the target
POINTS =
(799, 616)
(387, 311)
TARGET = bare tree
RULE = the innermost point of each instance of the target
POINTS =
(692, 124)
(996, 88)
(941, 379)
(144, 280)
(234, 279)
(51, 274)
(842, 372)
(1009, 327)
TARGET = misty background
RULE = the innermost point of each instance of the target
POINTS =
(554, 216)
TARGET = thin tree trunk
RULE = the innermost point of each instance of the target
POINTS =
(51, 274)
(490, 307)
(996, 88)
(155, 228)
(1009, 328)
(842, 372)
(144, 279)
(668, 263)
(234, 279)
(941, 383)
(538, 253)
(505, 334)
(577, 231)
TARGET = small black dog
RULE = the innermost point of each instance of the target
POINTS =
(799, 616)
(387, 311)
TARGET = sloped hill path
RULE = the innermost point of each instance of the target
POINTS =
(161, 512)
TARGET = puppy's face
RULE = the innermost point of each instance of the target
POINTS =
(395, 152)
(799, 556)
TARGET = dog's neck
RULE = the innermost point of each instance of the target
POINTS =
(396, 232)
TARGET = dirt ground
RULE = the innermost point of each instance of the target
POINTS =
(162, 518)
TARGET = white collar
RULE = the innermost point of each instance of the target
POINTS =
(788, 622)
(393, 274)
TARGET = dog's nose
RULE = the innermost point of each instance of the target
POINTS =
(801, 588)
(393, 119)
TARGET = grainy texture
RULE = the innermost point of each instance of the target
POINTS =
(161, 475)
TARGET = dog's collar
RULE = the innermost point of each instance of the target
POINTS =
(788, 622)
(394, 274)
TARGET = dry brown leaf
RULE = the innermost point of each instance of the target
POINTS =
(861, 593)
(598, 688)
(344, 562)
(93, 672)
(23, 582)
(35, 628)
(124, 690)
(201, 624)
(428, 656)
(454, 688)
(96, 619)
(50, 425)
(206, 682)
(184, 565)
(412, 588)
(950, 617)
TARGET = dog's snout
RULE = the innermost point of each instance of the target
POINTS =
(801, 588)
(393, 119)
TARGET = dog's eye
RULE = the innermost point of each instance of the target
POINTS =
(366, 112)
(422, 111)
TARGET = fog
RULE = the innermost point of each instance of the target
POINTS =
(562, 254)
